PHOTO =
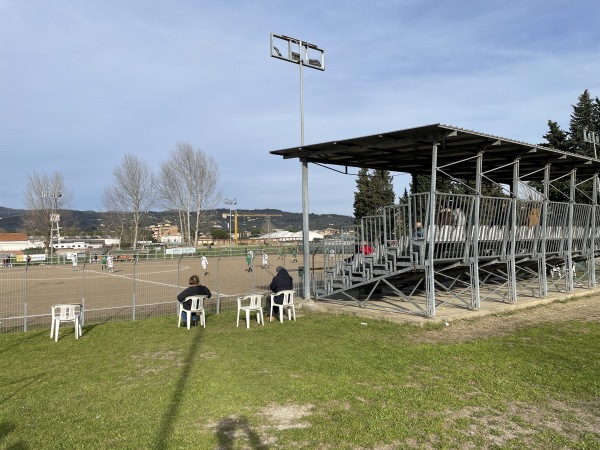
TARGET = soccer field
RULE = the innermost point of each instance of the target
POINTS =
(133, 290)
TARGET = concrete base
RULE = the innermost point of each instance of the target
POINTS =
(394, 310)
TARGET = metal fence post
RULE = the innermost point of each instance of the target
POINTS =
(83, 294)
(134, 271)
(26, 298)
(219, 283)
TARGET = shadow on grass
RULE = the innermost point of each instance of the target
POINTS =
(5, 429)
(29, 336)
(170, 415)
(23, 383)
(227, 432)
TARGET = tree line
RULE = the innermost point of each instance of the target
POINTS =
(187, 182)
(374, 188)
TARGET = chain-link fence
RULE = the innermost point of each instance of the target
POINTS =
(136, 287)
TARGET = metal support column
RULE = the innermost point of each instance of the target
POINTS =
(429, 269)
(569, 259)
(544, 238)
(475, 295)
(592, 242)
(512, 270)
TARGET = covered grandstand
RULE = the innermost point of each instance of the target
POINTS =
(471, 246)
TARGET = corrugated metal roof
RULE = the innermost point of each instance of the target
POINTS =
(13, 237)
(410, 151)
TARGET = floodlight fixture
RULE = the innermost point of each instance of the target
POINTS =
(297, 51)
(592, 138)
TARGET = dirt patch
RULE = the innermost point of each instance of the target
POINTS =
(520, 421)
(585, 309)
(283, 417)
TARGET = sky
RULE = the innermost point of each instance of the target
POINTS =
(84, 82)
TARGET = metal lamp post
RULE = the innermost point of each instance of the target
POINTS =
(230, 202)
(299, 52)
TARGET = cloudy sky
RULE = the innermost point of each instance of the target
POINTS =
(83, 82)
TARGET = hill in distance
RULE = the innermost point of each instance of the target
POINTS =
(93, 222)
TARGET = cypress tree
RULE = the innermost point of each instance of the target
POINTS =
(374, 190)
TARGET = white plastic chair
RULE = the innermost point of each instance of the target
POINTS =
(249, 303)
(65, 313)
(288, 304)
(197, 307)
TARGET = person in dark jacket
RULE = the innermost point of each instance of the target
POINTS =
(195, 289)
(282, 281)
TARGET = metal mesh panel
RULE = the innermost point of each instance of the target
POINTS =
(528, 228)
(135, 289)
(494, 228)
(556, 229)
(453, 222)
(581, 228)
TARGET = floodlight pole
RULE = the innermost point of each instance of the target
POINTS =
(305, 224)
(303, 48)
(55, 195)
(230, 202)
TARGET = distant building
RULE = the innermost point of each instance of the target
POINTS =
(10, 242)
(287, 236)
(79, 245)
(171, 239)
(329, 231)
(167, 233)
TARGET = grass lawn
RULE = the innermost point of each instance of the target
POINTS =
(324, 382)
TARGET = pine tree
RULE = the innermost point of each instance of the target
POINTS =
(557, 138)
(585, 116)
(582, 118)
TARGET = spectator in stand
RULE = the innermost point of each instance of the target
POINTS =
(418, 232)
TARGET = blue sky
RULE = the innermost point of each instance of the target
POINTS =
(83, 82)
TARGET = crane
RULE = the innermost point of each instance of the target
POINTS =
(235, 219)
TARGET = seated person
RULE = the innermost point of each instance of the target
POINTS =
(282, 281)
(418, 232)
(416, 235)
(195, 289)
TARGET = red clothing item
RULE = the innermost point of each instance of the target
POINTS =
(367, 249)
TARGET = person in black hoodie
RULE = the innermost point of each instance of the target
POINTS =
(195, 289)
(281, 281)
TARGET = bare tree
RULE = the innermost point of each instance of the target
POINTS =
(188, 182)
(46, 198)
(267, 226)
(131, 192)
(207, 195)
